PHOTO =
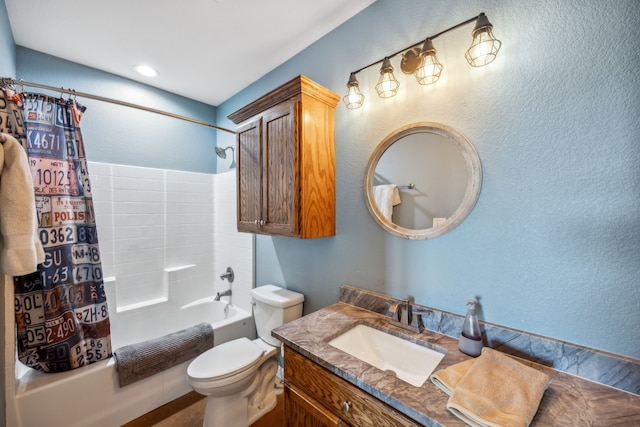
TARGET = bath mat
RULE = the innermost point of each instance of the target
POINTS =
(138, 361)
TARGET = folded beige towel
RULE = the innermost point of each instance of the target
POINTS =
(20, 247)
(493, 390)
(446, 379)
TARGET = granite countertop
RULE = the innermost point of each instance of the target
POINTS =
(569, 401)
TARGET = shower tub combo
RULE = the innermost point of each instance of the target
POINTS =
(92, 396)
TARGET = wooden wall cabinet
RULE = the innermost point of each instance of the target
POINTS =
(285, 148)
(315, 397)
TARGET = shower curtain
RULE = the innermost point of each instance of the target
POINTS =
(62, 318)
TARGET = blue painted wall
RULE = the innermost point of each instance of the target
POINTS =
(123, 135)
(553, 244)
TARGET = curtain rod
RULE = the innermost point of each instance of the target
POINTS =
(4, 81)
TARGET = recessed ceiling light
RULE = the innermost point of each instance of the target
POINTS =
(146, 70)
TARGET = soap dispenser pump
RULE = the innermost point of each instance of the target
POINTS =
(471, 338)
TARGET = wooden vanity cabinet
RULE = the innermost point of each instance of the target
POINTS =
(285, 148)
(305, 411)
(315, 397)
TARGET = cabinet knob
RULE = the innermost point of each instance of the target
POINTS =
(346, 406)
(255, 222)
(262, 222)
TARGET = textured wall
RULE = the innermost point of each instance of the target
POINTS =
(553, 245)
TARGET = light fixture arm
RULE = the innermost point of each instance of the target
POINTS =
(481, 16)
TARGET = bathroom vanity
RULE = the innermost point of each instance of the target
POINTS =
(315, 396)
(325, 386)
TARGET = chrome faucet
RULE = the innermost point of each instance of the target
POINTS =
(226, 293)
(404, 315)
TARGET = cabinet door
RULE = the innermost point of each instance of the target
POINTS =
(301, 410)
(353, 406)
(280, 176)
(249, 176)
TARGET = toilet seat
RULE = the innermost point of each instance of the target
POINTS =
(226, 360)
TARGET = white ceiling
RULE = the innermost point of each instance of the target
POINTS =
(207, 50)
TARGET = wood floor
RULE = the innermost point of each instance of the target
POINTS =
(188, 411)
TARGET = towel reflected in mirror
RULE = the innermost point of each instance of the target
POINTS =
(386, 196)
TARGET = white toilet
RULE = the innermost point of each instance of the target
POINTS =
(239, 376)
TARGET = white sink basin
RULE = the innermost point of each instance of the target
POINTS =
(410, 362)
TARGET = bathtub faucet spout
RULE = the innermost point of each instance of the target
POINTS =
(226, 293)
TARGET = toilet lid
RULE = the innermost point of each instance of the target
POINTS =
(225, 359)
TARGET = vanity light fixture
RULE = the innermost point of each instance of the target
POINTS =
(485, 46)
(420, 59)
(354, 98)
(387, 83)
(430, 68)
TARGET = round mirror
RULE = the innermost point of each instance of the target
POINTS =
(422, 180)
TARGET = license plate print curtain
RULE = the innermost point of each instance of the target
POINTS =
(61, 312)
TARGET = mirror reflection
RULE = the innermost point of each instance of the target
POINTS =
(430, 175)
(422, 180)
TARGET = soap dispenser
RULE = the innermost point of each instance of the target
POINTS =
(471, 338)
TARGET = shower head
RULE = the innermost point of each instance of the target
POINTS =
(222, 152)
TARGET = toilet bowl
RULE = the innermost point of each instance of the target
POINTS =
(238, 377)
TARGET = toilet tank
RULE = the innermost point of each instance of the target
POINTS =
(274, 306)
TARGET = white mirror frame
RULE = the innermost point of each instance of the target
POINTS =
(474, 180)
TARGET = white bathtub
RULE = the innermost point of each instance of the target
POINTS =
(91, 396)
